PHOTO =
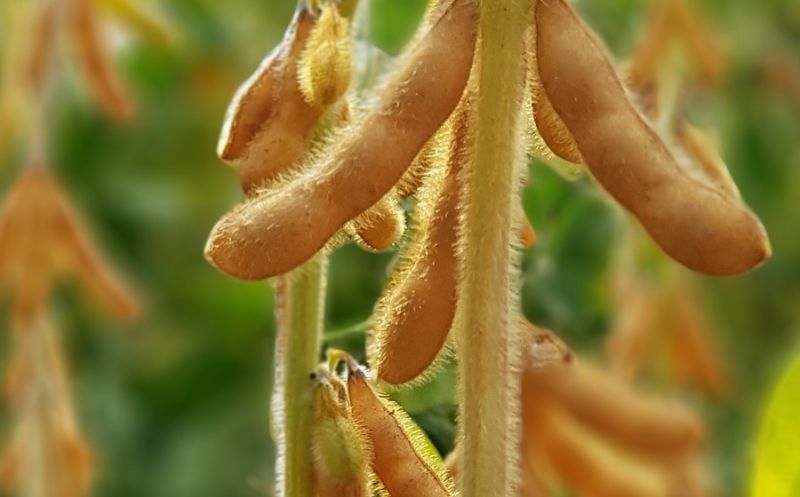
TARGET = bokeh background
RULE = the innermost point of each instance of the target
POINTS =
(177, 404)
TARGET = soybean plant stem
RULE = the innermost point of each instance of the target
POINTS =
(301, 307)
(488, 348)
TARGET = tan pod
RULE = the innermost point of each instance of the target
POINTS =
(397, 463)
(700, 226)
(280, 229)
(417, 311)
(98, 69)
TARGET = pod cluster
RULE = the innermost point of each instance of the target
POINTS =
(587, 433)
(598, 436)
(44, 241)
(677, 56)
(415, 139)
(33, 32)
(659, 324)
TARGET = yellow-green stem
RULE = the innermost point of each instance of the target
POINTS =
(488, 351)
(301, 307)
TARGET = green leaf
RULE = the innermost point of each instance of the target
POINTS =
(777, 468)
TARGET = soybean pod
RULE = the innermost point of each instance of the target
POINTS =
(277, 230)
(700, 226)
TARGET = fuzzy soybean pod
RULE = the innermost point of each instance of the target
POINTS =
(416, 312)
(280, 228)
(341, 453)
(274, 114)
(698, 225)
(97, 67)
(397, 462)
(255, 104)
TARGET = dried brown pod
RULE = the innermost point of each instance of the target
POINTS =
(643, 425)
(97, 68)
(694, 358)
(596, 435)
(273, 115)
(698, 225)
(416, 312)
(47, 451)
(398, 463)
(414, 177)
(660, 317)
(585, 464)
(255, 102)
(675, 24)
(279, 229)
(40, 54)
(42, 237)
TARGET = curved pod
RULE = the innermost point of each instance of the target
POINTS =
(276, 231)
(396, 461)
(699, 226)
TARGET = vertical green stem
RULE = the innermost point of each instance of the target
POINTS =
(301, 307)
(487, 349)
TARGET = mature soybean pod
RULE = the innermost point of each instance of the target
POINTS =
(699, 226)
(256, 101)
(693, 356)
(311, 77)
(397, 463)
(42, 47)
(416, 313)
(584, 463)
(280, 229)
(645, 426)
(269, 120)
(70, 236)
(97, 67)
(26, 254)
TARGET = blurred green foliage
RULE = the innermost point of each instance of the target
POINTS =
(177, 404)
